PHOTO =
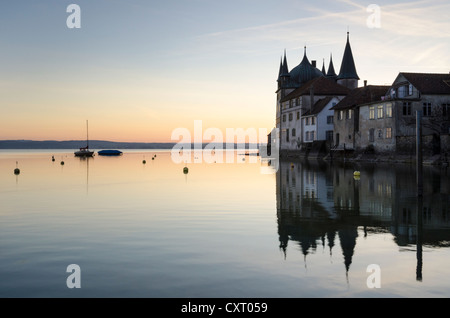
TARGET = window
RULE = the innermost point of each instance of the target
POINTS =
(298, 115)
(388, 110)
(297, 101)
(290, 117)
(287, 134)
(290, 103)
(426, 109)
(402, 91)
(313, 120)
(380, 133)
(348, 114)
(330, 120)
(311, 135)
(307, 121)
(307, 136)
(410, 89)
(293, 132)
(371, 135)
(445, 110)
(380, 111)
(329, 135)
(372, 112)
(284, 118)
(389, 132)
(406, 108)
(340, 114)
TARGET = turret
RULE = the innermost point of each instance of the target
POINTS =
(347, 75)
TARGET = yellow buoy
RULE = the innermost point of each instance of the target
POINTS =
(356, 173)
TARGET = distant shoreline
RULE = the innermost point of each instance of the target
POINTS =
(100, 144)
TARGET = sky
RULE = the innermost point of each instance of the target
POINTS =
(137, 70)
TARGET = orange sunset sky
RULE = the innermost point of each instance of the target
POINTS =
(137, 70)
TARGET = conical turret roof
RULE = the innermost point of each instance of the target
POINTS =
(348, 69)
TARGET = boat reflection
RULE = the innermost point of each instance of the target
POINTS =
(322, 203)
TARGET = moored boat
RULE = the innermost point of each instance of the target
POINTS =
(110, 152)
(84, 151)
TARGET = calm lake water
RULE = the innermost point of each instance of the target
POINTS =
(236, 229)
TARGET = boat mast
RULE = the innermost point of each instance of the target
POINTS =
(87, 134)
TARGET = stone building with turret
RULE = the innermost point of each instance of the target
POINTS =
(304, 87)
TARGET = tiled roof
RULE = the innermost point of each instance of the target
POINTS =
(428, 83)
(319, 106)
(322, 86)
(362, 95)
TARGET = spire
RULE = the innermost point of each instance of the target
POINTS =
(331, 72)
(348, 69)
(281, 68)
(285, 69)
(323, 68)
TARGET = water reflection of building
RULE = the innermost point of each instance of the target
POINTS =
(317, 202)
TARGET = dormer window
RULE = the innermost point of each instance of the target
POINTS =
(410, 89)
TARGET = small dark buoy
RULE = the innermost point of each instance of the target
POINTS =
(153, 158)
(17, 170)
(53, 158)
(62, 162)
(144, 162)
(185, 170)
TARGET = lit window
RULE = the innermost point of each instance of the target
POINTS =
(380, 111)
(372, 112)
(388, 132)
(388, 110)
(349, 114)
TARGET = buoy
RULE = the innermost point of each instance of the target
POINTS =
(144, 162)
(53, 158)
(356, 173)
(292, 165)
(185, 170)
(17, 170)
(153, 158)
(62, 162)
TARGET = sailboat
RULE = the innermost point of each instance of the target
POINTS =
(84, 151)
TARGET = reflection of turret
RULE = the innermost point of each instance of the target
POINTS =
(330, 239)
(315, 203)
(347, 237)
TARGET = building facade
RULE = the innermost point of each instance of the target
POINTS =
(300, 89)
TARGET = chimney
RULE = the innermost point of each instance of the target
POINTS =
(365, 83)
(313, 63)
